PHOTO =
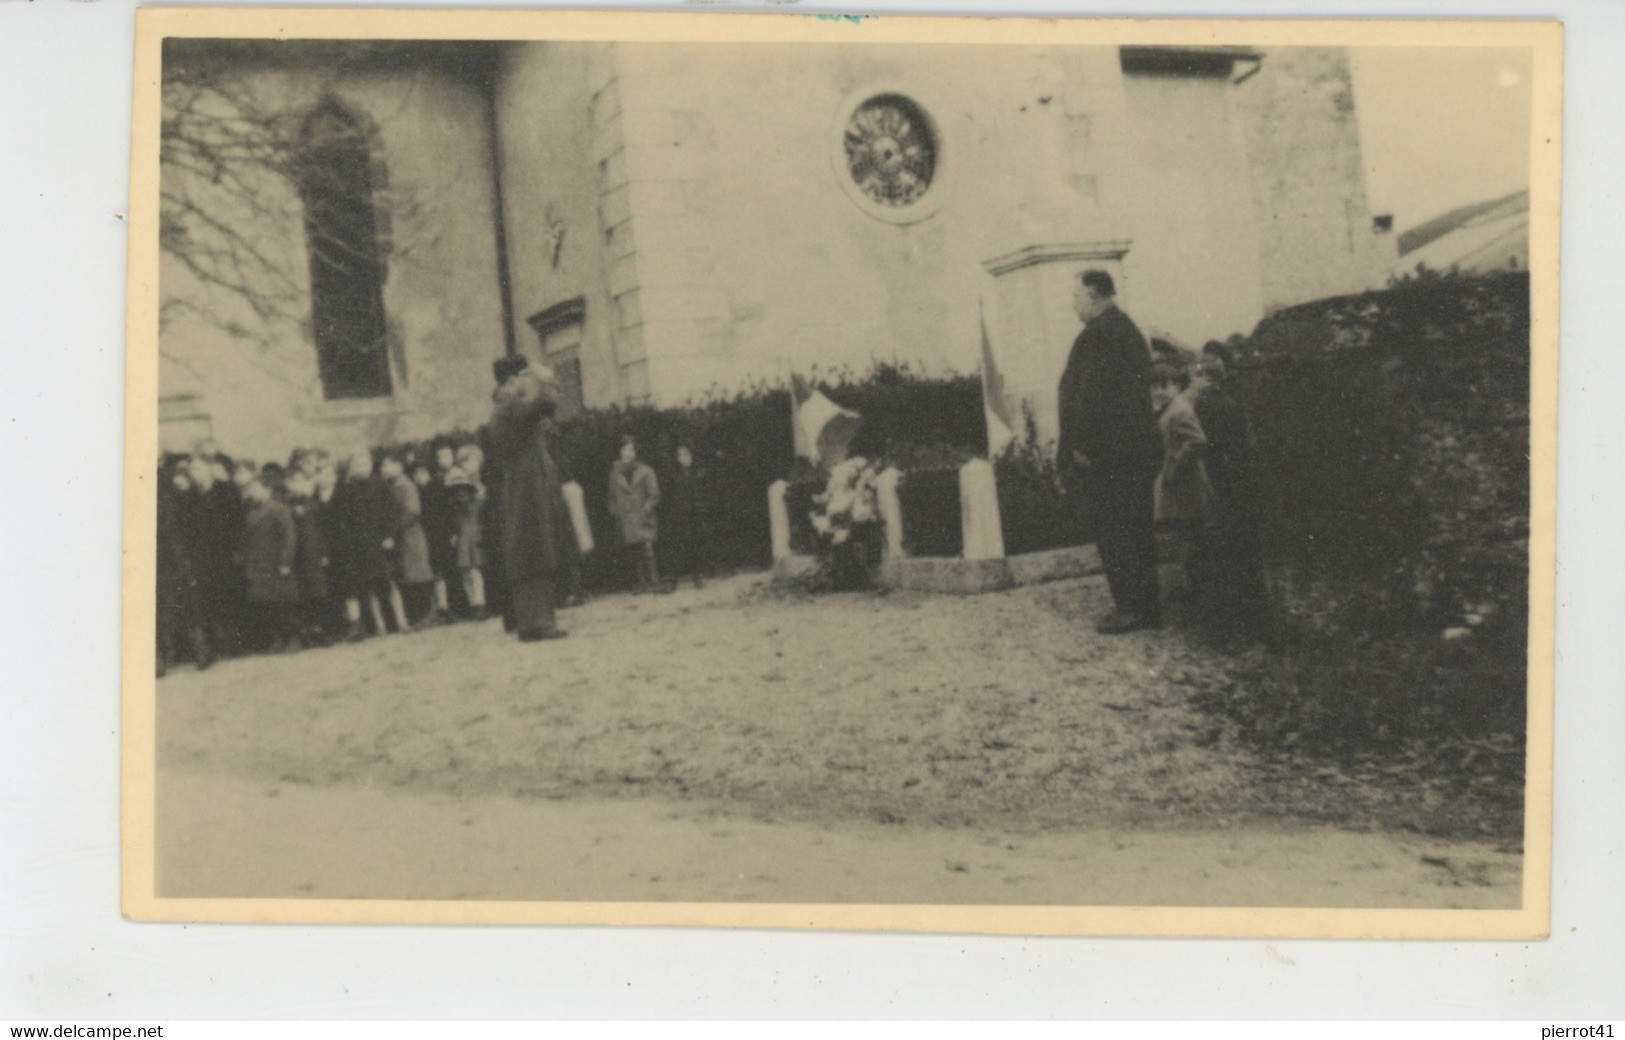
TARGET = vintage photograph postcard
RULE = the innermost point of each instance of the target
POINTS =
(829, 471)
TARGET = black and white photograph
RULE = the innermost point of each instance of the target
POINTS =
(841, 471)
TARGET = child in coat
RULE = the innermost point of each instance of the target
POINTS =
(408, 545)
(634, 495)
(270, 545)
(467, 497)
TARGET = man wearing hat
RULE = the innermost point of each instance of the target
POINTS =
(538, 543)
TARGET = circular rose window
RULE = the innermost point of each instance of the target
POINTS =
(890, 156)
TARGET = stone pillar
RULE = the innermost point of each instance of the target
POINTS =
(778, 515)
(891, 512)
(979, 511)
(576, 502)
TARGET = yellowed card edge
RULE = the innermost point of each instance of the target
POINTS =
(138, 767)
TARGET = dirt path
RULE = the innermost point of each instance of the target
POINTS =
(898, 737)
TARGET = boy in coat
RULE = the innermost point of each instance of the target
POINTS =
(467, 498)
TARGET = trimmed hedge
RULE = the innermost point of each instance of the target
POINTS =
(932, 525)
(925, 427)
(1033, 511)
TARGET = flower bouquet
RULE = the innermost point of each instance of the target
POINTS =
(846, 518)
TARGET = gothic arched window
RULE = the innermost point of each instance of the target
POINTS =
(346, 269)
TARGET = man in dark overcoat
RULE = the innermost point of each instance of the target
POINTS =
(538, 543)
(357, 520)
(1109, 449)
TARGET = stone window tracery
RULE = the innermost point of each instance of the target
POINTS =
(891, 150)
(889, 155)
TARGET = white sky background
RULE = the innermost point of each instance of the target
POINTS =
(1441, 128)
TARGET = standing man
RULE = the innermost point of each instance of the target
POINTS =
(538, 543)
(1110, 451)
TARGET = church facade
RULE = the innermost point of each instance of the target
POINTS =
(662, 222)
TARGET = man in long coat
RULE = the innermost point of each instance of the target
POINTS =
(538, 543)
(1109, 448)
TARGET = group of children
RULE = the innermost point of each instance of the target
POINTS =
(1205, 502)
(272, 558)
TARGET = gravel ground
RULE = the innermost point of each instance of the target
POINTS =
(1000, 710)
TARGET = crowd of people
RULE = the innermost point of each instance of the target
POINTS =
(1158, 452)
(274, 557)
(261, 557)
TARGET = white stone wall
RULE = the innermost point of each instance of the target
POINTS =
(255, 376)
(751, 259)
(745, 257)
(692, 196)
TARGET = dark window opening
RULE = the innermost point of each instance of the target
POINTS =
(346, 270)
(567, 367)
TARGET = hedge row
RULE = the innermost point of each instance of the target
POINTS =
(1392, 440)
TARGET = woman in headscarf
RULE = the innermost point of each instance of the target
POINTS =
(538, 543)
